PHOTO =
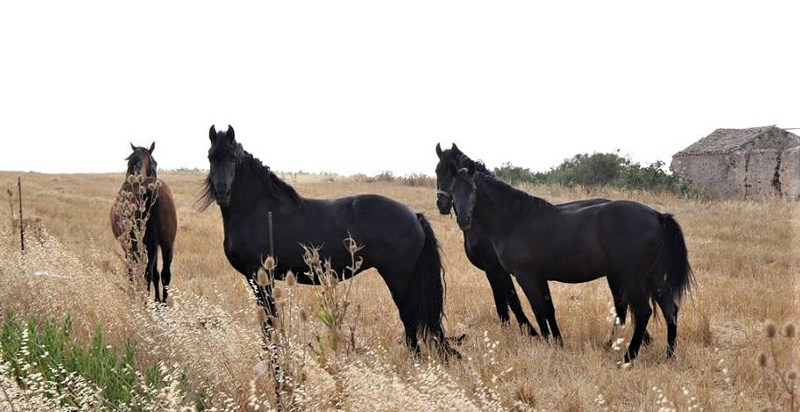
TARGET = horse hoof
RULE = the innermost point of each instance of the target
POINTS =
(622, 365)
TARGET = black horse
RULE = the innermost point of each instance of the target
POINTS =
(161, 223)
(398, 243)
(641, 250)
(481, 253)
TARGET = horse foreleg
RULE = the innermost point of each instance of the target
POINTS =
(504, 290)
(166, 271)
(532, 286)
(499, 292)
(152, 270)
(551, 312)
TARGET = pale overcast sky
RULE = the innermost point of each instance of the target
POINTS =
(370, 86)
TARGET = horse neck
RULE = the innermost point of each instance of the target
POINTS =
(500, 207)
(252, 187)
(487, 214)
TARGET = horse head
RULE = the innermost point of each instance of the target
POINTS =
(464, 194)
(449, 162)
(222, 157)
(141, 161)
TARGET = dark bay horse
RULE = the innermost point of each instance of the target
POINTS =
(480, 252)
(159, 211)
(399, 243)
(642, 250)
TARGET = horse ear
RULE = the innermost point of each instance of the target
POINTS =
(212, 133)
(455, 148)
(438, 150)
(132, 147)
(152, 147)
(231, 135)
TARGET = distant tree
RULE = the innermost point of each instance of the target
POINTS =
(598, 169)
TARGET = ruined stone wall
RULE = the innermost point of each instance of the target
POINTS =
(762, 176)
(790, 173)
(767, 166)
(745, 174)
(717, 175)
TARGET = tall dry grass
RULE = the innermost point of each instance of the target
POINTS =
(742, 253)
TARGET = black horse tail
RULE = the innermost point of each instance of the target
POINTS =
(679, 275)
(429, 276)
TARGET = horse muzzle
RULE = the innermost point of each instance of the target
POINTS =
(223, 197)
(464, 223)
(444, 202)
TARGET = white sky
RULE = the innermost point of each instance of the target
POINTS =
(369, 86)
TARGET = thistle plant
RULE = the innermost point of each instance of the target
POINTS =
(132, 211)
(778, 364)
(333, 301)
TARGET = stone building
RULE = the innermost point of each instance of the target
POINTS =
(742, 163)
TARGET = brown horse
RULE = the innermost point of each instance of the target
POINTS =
(158, 213)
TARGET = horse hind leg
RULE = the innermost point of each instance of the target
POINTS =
(641, 315)
(670, 310)
(621, 311)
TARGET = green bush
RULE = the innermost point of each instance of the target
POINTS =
(47, 356)
(598, 169)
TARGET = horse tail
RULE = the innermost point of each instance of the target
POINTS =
(429, 276)
(679, 274)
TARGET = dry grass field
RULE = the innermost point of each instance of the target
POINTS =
(743, 255)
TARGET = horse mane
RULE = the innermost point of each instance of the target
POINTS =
(480, 167)
(515, 200)
(246, 161)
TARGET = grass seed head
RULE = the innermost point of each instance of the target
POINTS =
(770, 329)
(761, 359)
(789, 330)
(791, 376)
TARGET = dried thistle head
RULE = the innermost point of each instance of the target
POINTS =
(262, 278)
(131, 179)
(789, 330)
(290, 279)
(761, 359)
(269, 263)
(770, 329)
(277, 293)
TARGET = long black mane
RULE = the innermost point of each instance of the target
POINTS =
(514, 200)
(246, 162)
(463, 159)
